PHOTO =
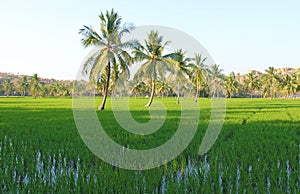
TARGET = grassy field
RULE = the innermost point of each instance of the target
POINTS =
(258, 150)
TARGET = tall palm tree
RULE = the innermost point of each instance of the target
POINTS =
(271, 80)
(181, 70)
(216, 81)
(198, 73)
(35, 85)
(23, 85)
(231, 85)
(7, 86)
(112, 54)
(155, 63)
(251, 82)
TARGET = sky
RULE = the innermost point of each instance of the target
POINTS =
(41, 36)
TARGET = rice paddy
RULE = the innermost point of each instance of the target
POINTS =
(257, 151)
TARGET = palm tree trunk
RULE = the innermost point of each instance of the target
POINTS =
(178, 94)
(106, 88)
(197, 95)
(152, 94)
(197, 92)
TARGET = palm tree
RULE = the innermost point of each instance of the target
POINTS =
(181, 70)
(231, 85)
(139, 89)
(297, 73)
(260, 87)
(53, 89)
(289, 85)
(44, 89)
(163, 88)
(7, 86)
(35, 85)
(23, 85)
(112, 55)
(198, 74)
(251, 82)
(216, 83)
(155, 64)
(271, 80)
(118, 86)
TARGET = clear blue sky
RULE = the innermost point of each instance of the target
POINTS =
(41, 36)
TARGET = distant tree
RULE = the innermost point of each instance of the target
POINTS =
(260, 87)
(163, 88)
(100, 85)
(34, 85)
(198, 73)
(23, 85)
(119, 81)
(79, 88)
(271, 79)
(231, 85)
(64, 90)
(216, 81)
(139, 89)
(180, 71)
(289, 85)
(8, 87)
(43, 89)
(298, 78)
(251, 83)
(113, 54)
(155, 63)
(53, 89)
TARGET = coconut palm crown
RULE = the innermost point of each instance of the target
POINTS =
(112, 59)
(154, 63)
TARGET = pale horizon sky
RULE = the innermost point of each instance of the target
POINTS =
(42, 36)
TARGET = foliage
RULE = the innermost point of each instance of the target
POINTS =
(231, 85)
(7, 86)
(155, 63)
(112, 59)
(198, 73)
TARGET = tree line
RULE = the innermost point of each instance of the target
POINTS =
(161, 73)
(33, 86)
(270, 84)
(109, 68)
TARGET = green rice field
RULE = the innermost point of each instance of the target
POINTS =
(257, 151)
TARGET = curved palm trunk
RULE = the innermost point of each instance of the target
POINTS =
(106, 88)
(34, 94)
(197, 95)
(178, 94)
(152, 94)
(197, 92)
